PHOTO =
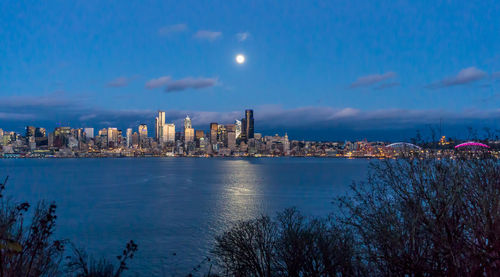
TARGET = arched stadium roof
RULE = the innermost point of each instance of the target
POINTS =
(473, 144)
(406, 145)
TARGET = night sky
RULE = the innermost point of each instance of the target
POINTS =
(317, 69)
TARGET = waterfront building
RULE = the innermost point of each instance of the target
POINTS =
(50, 140)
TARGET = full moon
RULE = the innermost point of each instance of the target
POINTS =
(240, 58)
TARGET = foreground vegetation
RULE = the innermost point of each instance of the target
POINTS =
(27, 247)
(411, 217)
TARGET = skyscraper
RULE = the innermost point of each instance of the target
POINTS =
(188, 134)
(198, 134)
(129, 137)
(40, 132)
(89, 133)
(112, 137)
(187, 122)
(30, 131)
(230, 136)
(237, 130)
(188, 130)
(169, 132)
(143, 131)
(213, 132)
(247, 131)
(160, 122)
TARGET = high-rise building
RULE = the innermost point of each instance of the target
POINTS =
(30, 131)
(237, 128)
(160, 122)
(169, 132)
(77, 133)
(248, 124)
(135, 139)
(89, 133)
(221, 133)
(213, 132)
(188, 130)
(103, 132)
(187, 122)
(143, 131)
(231, 140)
(198, 134)
(50, 139)
(112, 137)
(40, 132)
(129, 137)
(188, 134)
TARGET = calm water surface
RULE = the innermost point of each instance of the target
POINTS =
(173, 205)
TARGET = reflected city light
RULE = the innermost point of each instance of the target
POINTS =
(240, 199)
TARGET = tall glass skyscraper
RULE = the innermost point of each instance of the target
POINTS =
(160, 122)
(247, 123)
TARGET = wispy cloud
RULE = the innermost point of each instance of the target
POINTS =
(328, 117)
(190, 83)
(207, 35)
(158, 82)
(464, 76)
(387, 85)
(16, 116)
(495, 75)
(172, 29)
(118, 82)
(241, 37)
(19, 112)
(372, 79)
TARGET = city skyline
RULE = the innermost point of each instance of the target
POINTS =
(332, 70)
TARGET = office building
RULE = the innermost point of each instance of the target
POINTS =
(129, 137)
(188, 134)
(30, 131)
(135, 140)
(248, 125)
(237, 130)
(198, 134)
(187, 122)
(89, 133)
(112, 137)
(160, 123)
(40, 132)
(213, 132)
(169, 133)
(143, 131)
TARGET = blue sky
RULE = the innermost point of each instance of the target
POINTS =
(325, 69)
